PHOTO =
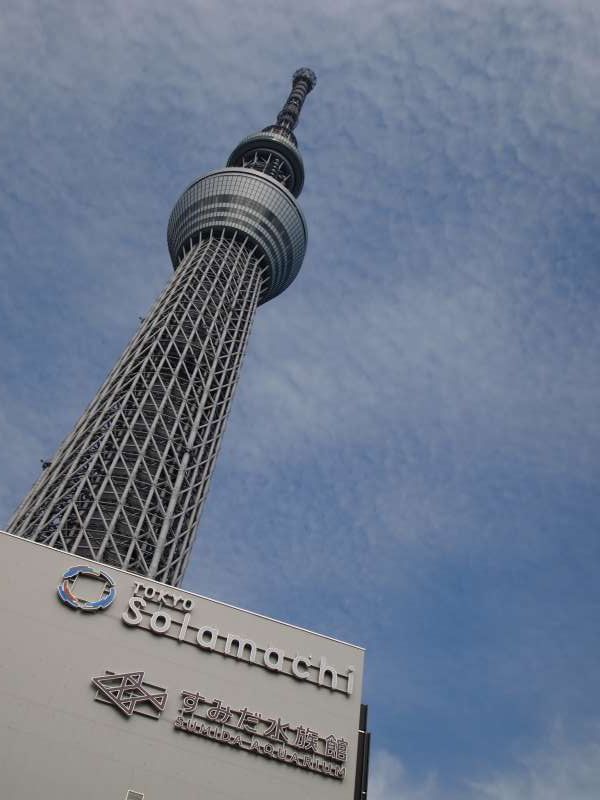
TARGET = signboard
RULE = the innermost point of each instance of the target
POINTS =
(113, 684)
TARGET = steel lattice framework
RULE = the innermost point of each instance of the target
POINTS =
(127, 486)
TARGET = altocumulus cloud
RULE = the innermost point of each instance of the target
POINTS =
(412, 458)
(557, 771)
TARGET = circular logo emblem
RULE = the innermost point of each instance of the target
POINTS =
(66, 594)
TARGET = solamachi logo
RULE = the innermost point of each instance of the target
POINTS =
(68, 596)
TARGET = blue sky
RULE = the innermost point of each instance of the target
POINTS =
(412, 461)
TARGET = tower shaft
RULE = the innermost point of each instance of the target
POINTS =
(127, 486)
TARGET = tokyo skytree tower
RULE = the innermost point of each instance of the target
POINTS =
(127, 485)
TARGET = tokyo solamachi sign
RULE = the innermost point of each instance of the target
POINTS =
(155, 609)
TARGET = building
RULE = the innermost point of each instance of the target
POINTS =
(127, 485)
(117, 687)
(113, 683)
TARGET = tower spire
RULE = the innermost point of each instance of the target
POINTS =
(274, 150)
(303, 81)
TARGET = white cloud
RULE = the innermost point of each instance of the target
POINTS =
(559, 769)
(388, 780)
(422, 403)
(563, 770)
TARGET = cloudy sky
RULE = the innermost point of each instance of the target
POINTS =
(412, 462)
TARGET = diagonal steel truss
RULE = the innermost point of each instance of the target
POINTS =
(127, 485)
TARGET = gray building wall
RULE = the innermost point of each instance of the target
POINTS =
(58, 741)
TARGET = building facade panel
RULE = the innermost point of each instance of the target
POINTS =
(163, 692)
